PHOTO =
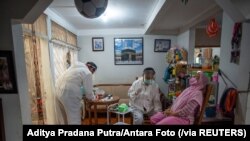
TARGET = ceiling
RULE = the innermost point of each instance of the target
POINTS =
(152, 16)
(176, 17)
(123, 14)
(243, 6)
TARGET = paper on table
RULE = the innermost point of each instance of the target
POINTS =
(106, 99)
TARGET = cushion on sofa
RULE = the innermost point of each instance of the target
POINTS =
(120, 90)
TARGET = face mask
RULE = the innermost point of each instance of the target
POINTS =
(192, 81)
(148, 82)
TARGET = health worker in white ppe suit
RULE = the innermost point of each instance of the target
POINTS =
(144, 96)
(71, 88)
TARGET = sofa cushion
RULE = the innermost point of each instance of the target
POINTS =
(120, 90)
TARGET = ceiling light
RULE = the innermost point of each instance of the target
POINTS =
(104, 17)
(111, 13)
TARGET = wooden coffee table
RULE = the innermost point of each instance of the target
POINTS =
(95, 103)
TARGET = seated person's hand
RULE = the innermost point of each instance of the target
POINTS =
(167, 112)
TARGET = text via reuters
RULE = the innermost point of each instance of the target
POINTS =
(178, 133)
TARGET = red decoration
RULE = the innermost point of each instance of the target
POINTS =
(212, 28)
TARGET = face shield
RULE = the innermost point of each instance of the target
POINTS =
(92, 67)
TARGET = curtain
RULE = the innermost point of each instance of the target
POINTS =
(47, 85)
(58, 32)
(59, 54)
(62, 34)
(71, 38)
(43, 60)
(33, 47)
(29, 60)
(59, 58)
(40, 82)
(62, 55)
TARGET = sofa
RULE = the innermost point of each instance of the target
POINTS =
(120, 90)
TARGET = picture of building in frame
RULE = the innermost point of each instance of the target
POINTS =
(128, 51)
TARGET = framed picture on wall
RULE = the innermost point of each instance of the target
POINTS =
(7, 73)
(98, 44)
(162, 45)
(128, 51)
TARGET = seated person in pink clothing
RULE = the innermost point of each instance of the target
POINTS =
(186, 106)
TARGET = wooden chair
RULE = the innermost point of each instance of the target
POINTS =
(206, 96)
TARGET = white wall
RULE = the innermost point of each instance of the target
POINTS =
(183, 40)
(187, 40)
(16, 109)
(246, 67)
(12, 117)
(21, 73)
(232, 70)
(109, 73)
(191, 46)
(216, 51)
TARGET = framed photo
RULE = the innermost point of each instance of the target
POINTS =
(7, 73)
(162, 45)
(128, 51)
(98, 44)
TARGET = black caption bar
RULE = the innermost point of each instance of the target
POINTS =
(55, 132)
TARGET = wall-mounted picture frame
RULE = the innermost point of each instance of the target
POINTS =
(162, 45)
(98, 44)
(8, 83)
(128, 51)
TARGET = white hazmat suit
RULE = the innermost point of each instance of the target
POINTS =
(69, 95)
(146, 102)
